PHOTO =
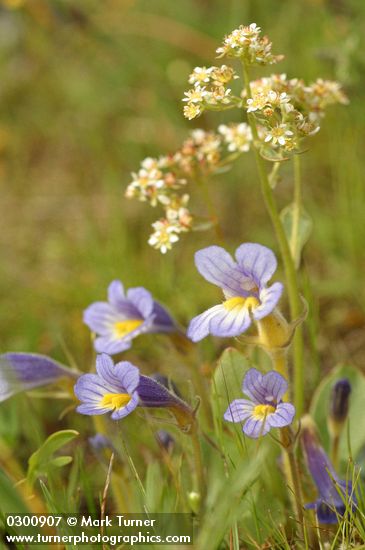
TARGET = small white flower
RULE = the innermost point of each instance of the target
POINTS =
(279, 134)
(195, 95)
(200, 75)
(237, 136)
(164, 236)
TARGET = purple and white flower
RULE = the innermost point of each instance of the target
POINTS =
(124, 317)
(244, 285)
(27, 371)
(112, 389)
(120, 388)
(265, 408)
(335, 496)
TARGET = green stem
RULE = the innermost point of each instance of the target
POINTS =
(297, 204)
(199, 469)
(290, 272)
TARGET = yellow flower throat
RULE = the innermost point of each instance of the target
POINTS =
(122, 328)
(260, 412)
(115, 400)
(239, 301)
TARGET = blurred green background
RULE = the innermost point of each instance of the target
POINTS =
(88, 89)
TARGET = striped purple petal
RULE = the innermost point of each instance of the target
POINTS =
(128, 376)
(142, 300)
(283, 416)
(274, 385)
(269, 297)
(26, 371)
(256, 428)
(252, 386)
(100, 317)
(217, 266)
(230, 323)
(108, 344)
(124, 411)
(239, 410)
(257, 262)
(199, 325)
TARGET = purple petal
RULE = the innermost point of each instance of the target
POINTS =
(269, 297)
(252, 386)
(274, 386)
(91, 388)
(91, 409)
(283, 416)
(199, 326)
(257, 262)
(127, 376)
(100, 317)
(124, 411)
(105, 367)
(230, 323)
(108, 344)
(239, 410)
(26, 371)
(162, 320)
(256, 428)
(116, 294)
(218, 267)
(142, 300)
(319, 465)
(153, 394)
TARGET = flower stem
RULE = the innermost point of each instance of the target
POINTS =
(199, 469)
(290, 272)
(297, 203)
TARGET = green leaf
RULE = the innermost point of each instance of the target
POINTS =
(297, 233)
(320, 406)
(41, 459)
(60, 461)
(10, 500)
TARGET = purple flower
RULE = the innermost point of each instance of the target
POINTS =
(112, 389)
(26, 371)
(244, 285)
(120, 388)
(124, 317)
(265, 408)
(334, 494)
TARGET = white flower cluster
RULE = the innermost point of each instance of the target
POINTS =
(237, 136)
(178, 219)
(163, 181)
(209, 91)
(288, 110)
(246, 44)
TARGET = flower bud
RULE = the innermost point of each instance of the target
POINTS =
(194, 501)
(334, 494)
(339, 406)
(153, 394)
(165, 440)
